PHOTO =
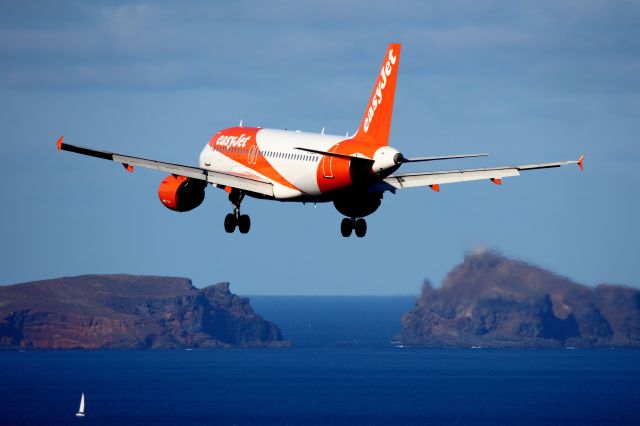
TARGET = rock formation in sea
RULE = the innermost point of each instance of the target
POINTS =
(493, 301)
(124, 311)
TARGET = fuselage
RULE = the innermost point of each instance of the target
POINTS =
(281, 158)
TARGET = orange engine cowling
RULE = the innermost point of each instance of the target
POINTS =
(180, 193)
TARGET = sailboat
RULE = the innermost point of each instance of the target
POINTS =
(80, 412)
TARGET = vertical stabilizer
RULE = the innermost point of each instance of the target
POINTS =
(376, 121)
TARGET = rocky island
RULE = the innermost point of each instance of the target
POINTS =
(493, 301)
(124, 311)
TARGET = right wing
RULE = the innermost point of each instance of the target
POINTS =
(245, 183)
(434, 179)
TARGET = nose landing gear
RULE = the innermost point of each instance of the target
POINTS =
(349, 225)
(235, 219)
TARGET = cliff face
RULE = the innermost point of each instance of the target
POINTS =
(121, 311)
(492, 301)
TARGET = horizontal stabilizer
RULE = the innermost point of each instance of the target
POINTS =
(442, 157)
(333, 154)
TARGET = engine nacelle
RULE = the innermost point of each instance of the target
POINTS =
(180, 193)
(358, 205)
(386, 160)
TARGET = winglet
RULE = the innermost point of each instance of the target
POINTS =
(435, 187)
(59, 143)
(128, 167)
(580, 160)
(497, 181)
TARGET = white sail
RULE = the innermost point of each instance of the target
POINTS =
(80, 412)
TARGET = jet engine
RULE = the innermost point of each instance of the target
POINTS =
(180, 193)
(358, 205)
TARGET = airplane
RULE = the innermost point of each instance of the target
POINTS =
(352, 172)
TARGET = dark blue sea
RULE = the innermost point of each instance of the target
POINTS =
(345, 381)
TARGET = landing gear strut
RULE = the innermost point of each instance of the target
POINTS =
(348, 225)
(242, 221)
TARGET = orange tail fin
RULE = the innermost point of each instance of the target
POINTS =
(376, 121)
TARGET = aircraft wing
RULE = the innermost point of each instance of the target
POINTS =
(435, 179)
(245, 183)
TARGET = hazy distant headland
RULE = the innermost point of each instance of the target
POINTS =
(492, 301)
(123, 311)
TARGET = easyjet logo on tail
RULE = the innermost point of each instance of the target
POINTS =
(385, 73)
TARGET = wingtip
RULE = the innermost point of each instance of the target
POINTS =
(580, 162)
(59, 143)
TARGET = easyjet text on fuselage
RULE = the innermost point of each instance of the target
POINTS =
(229, 142)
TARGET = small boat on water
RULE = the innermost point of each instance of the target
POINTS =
(80, 412)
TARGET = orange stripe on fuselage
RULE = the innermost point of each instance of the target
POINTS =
(240, 145)
(338, 168)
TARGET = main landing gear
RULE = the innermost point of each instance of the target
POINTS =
(242, 221)
(349, 225)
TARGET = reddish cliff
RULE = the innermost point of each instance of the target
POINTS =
(492, 301)
(122, 311)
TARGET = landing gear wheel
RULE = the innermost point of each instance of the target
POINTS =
(230, 223)
(234, 219)
(244, 223)
(361, 228)
(346, 227)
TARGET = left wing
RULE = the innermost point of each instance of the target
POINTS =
(435, 179)
(245, 183)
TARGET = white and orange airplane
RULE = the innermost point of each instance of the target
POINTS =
(352, 172)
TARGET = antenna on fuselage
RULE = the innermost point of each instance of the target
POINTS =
(322, 132)
(240, 125)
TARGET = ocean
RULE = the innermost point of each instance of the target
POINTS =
(339, 380)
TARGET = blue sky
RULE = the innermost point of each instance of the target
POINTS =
(525, 81)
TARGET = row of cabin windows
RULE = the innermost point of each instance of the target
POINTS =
(272, 154)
